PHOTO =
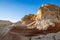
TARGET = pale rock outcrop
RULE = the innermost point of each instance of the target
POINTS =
(51, 36)
(47, 15)
(27, 19)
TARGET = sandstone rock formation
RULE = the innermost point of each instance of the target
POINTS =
(47, 15)
(27, 19)
(45, 22)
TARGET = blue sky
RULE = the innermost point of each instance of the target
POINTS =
(14, 10)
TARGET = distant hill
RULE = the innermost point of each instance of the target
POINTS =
(5, 23)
